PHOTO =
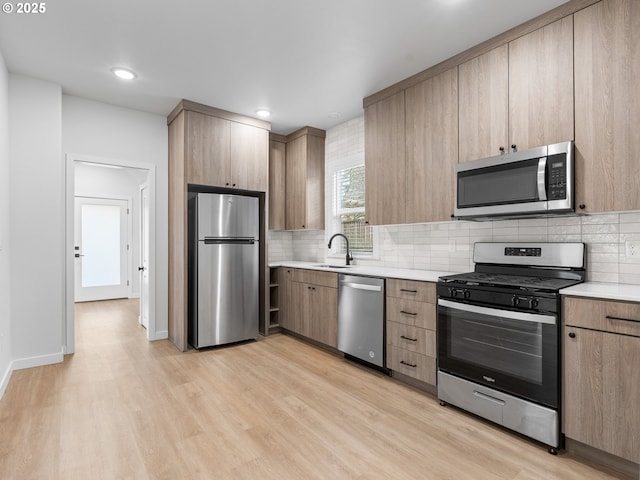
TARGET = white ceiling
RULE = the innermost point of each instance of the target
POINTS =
(301, 59)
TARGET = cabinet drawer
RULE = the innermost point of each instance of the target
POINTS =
(605, 315)
(411, 290)
(410, 312)
(327, 279)
(413, 364)
(411, 338)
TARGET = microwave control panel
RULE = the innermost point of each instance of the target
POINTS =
(557, 177)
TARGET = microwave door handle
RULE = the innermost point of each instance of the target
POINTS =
(542, 173)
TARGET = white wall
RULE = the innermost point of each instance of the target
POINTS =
(36, 221)
(99, 130)
(102, 182)
(5, 280)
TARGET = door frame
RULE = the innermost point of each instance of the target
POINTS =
(143, 186)
(69, 276)
(129, 222)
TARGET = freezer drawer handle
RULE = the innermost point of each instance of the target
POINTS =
(407, 338)
(408, 313)
(412, 365)
(227, 241)
(362, 286)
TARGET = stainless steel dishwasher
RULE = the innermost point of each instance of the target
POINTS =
(361, 318)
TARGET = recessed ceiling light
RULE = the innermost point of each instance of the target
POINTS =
(123, 73)
(263, 112)
(334, 115)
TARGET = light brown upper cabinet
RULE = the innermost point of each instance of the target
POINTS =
(249, 159)
(484, 105)
(385, 175)
(541, 86)
(277, 149)
(304, 182)
(520, 93)
(431, 148)
(607, 63)
(220, 152)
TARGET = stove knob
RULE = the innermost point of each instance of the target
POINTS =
(466, 293)
(452, 292)
(533, 303)
(515, 301)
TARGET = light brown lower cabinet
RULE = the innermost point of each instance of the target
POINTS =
(601, 375)
(411, 329)
(312, 308)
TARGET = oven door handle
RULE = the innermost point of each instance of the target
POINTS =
(527, 317)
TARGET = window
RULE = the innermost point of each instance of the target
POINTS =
(348, 209)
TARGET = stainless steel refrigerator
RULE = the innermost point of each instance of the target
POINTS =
(223, 285)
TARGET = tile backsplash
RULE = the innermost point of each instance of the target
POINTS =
(448, 246)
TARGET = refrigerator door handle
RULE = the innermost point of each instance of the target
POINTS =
(228, 241)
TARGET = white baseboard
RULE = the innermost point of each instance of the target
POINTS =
(5, 379)
(31, 362)
(161, 335)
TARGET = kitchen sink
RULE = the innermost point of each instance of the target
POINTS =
(326, 265)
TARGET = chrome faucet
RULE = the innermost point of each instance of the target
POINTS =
(349, 257)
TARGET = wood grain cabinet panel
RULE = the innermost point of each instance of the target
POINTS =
(520, 93)
(411, 290)
(277, 190)
(601, 378)
(607, 91)
(385, 171)
(411, 312)
(431, 148)
(249, 157)
(312, 308)
(483, 105)
(304, 180)
(411, 328)
(541, 86)
(284, 296)
(414, 339)
(208, 149)
(412, 364)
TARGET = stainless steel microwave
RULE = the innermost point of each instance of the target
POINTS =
(536, 182)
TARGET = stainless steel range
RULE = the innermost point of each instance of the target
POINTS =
(498, 334)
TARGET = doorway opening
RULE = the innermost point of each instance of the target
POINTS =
(110, 244)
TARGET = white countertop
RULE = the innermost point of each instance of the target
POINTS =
(386, 272)
(606, 291)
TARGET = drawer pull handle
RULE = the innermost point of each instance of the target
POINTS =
(412, 365)
(407, 338)
(408, 291)
(408, 313)
(609, 317)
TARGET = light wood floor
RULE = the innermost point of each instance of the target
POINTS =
(122, 407)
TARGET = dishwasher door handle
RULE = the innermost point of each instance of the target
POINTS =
(363, 286)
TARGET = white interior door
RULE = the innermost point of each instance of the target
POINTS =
(101, 251)
(144, 256)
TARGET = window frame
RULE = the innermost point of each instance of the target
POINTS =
(332, 215)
